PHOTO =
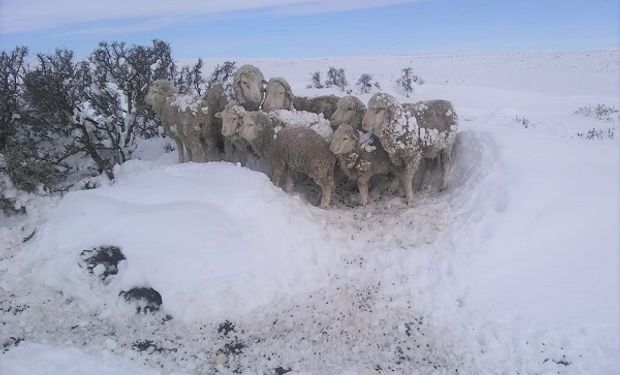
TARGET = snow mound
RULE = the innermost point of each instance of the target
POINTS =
(36, 359)
(215, 240)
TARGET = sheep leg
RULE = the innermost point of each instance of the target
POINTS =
(420, 179)
(446, 163)
(289, 181)
(179, 146)
(326, 194)
(278, 168)
(362, 186)
(407, 179)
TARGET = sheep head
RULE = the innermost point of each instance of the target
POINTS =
(278, 95)
(251, 126)
(232, 118)
(345, 140)
(382, 110)
(159, 93)
(248, 85)
(350, 110)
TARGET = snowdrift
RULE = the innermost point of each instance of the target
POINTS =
(213, 239)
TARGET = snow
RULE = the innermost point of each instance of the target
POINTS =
(208, 257)
(513, 269)
(305, 119)
(36, 359)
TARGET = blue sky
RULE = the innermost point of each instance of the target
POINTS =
(312, 28)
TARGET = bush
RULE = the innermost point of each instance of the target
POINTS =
(336, 77)
(315, 81)
(598, 134)
(222, 73)
(600, 112)
(366, 84)
(408, 80)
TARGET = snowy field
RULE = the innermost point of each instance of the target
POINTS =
(515, 269)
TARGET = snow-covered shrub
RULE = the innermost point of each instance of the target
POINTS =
(598, 134)
(190, 79)
(366, 84)
(336, 77)
(222, 73)
(315, 81)
(524, 121)
(408, 80)
(600, 112)
(12, 69)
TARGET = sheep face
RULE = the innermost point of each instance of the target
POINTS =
(159, 92)
(250, 127)
(231, 120)
(248, 86)
(278, 95)
(349, 111)
(345, 139)
(381, 109)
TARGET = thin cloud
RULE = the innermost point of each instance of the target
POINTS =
(35, 15)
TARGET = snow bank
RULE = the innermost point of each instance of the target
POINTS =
(215, 240)
(36, 359)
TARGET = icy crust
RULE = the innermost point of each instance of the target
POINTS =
(184, 102)
(218, 263)
(304, 119)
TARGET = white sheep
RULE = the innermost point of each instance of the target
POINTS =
(349, 110)
(360, 157)
(291, 150)
(181, 116)
(438, 123)
(279, 95)
(411, 132)
(246, 90)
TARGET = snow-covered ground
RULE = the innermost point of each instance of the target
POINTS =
(514, 269)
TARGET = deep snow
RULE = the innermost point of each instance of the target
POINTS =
(514, 269)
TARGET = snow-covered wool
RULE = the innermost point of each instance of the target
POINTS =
(291, 150)
(303, 119)
(350, 110)
(360, 157)
(437, 121)
(182, 117)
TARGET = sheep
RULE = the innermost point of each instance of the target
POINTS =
(438, 123)
(350, 110)
(246, 90)
(182, 119)
(326, 104)
(279, 95)
(291, 150)
(411, 132)
(232, 118)
(248, 85)
(360, 157)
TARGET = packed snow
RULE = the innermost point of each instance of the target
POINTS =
(513, 269)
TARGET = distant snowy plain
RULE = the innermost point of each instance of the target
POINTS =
(514, 269)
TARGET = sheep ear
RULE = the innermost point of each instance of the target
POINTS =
(218, 115)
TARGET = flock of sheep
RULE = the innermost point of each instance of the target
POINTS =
(310, 136)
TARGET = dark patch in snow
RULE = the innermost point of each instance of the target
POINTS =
(225, 328)
(281, 370)
(150, 347)
(148, 299)
(232, 348)
(103, 261)
(12, 342)
(29, 237)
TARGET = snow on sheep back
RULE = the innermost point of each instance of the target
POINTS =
(215, 240)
